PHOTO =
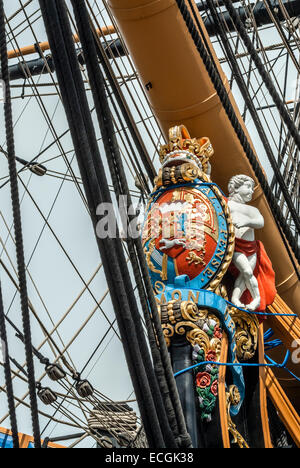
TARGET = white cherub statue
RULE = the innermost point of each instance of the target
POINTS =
(255, 273)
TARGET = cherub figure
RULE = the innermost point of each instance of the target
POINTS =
(255, 274)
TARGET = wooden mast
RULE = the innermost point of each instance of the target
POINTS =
(43, 46)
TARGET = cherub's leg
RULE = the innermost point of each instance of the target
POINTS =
(253, 285)
(240, 285)
(246, 268)
(238, 290)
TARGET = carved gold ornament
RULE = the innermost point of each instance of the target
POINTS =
(168, 331)
(200, 338)
(196, 259)
(164, 271)
(247, 327)
(180, 142)
(185, 318)
(189, 311)
(233, 398)
(216, 345)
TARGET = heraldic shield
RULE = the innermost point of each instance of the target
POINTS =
(188, 229)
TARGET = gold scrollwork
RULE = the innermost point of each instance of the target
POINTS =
(202, 314)
(163, 272)
(189, 311)
(233, 398)
(221, 290)
(234, 395)
(247, 327)
(184, 318)
(199, 337)
(159, 287)
(181, 327)
(168, 331)
(216, 345)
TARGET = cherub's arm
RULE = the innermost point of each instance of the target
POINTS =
(253, 219)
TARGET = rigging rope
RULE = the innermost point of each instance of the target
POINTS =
(18, 230)
(117, 95)
(7, 373)
(97, 191)
(116, 167)
(50, 397)
(228, 107)
(162, 363)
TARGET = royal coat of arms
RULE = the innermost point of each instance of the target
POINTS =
(188, 229)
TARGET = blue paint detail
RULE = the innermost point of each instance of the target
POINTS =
(218, 305)
(6, 441)
(196, 184)
(182, 220)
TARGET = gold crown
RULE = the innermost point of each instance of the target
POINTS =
(199, 150)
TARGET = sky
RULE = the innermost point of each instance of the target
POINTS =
(54, 277)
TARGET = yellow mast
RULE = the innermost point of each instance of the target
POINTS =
(181, 92)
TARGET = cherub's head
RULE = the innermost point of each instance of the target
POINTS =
(241, 188)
